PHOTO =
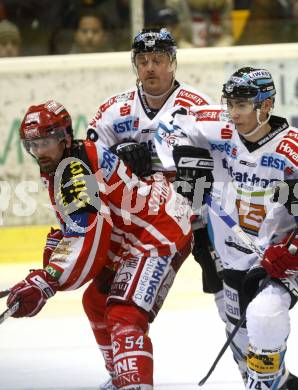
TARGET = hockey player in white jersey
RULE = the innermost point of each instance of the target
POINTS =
(127, 123)
(252, 151)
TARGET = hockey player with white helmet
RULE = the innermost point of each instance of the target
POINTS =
(252, 151)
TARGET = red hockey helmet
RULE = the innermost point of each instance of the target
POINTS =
(50, 119)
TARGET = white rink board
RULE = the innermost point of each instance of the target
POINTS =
(83, 82)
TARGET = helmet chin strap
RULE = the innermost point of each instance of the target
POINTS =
(260, 124)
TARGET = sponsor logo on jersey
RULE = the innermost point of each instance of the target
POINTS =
(131, 123)
(179, 102)
(271, 161)
(237, 246)
(124, 278)
(247, 163)
(150, 280)
(225, 147)
(108, 162)
(208, 115)
(116, 99)
(192, 97)
(232, 302)
(148, 131)
(76, 225)
(246, 178)
(156, 278)
(96, 118)
(289, 150)
(125, 110)
(226, 133)
(54, 270)
(293, 134)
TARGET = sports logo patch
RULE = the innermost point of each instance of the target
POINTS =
(289, 150)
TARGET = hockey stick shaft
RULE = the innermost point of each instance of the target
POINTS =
(9, 312)
(4, 293)
(246, 239)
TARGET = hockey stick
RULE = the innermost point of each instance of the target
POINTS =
(9, 312)
(4, 293)
(246, 239)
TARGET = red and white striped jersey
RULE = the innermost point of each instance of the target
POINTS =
(106, 212)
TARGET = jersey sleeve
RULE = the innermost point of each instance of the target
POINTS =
(82, 252)
(178, 126)
(288, 149)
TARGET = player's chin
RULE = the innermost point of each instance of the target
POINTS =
(152, 84)
(48, 167)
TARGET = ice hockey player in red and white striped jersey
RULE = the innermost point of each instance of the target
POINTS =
(105, 213)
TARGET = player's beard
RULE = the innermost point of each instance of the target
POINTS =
(47, 165)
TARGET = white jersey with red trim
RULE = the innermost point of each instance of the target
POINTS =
(96, 197)
(126, 116)
(244, 175)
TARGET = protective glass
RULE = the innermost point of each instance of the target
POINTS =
(41, 145)
(238, 105)
(157, 59)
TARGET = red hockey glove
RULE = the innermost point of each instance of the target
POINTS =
(53, 239)
(32, 293)
(279, 262)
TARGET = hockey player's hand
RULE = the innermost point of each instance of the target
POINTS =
(53, 239)
(32, 293)
(193, 163)
(135, 155)
(279, 262)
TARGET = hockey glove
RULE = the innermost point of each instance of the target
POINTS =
(280, 261)
(253, 279)
(53, 239)
(193, 163)
(32, 293)
(286, 194)
(135, 155)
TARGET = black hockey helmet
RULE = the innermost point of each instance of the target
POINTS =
(154, 40)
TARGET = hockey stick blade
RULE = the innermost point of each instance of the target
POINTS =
(9, 312)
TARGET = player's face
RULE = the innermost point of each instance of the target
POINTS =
(155, 71)
(242, 113)
(48, 152)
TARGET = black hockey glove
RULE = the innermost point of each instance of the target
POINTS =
(253, 279)
(193, 163)
(286, 194)
(135, 155)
